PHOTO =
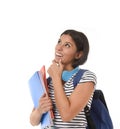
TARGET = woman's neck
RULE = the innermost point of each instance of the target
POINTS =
(68, 68)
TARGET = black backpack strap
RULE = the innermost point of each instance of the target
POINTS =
(48, 80)
(78, 76)
(90, 122)
(76, 80)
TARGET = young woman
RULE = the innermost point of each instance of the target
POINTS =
(68, 102)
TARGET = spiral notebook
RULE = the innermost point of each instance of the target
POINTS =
(38, 86)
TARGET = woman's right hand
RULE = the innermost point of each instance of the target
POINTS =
(45, 104)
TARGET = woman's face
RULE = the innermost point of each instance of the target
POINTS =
(66, 51)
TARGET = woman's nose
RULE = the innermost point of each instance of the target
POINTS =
(60, 47)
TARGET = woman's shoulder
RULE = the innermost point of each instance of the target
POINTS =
(88, 72)
(88, 75)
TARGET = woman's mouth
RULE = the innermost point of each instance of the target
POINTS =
(58, 55)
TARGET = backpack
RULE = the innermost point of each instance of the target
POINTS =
(98, 116)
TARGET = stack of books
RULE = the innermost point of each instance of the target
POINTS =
(38, 86)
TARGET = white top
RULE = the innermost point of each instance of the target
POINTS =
(79, 121)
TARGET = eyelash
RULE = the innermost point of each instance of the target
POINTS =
(67, 44)
(58, 41)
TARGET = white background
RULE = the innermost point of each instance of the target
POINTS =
(29, 30)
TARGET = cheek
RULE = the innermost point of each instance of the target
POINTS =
(71, 54)
(69, 57)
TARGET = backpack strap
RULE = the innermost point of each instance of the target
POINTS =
(76, 80)
(78, 76)
(48, 80)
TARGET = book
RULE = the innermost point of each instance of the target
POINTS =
(42, 73)
(38, 86)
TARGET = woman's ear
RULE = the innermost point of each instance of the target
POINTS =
(78, 55)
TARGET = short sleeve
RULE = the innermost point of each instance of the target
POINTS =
(88, 76)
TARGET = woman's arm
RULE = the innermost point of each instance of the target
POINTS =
(35, 117)
(70, 106)
(45, 105)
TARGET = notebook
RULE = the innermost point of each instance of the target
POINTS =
(38, 86)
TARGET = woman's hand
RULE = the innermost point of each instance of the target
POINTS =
(45, 104)
(55, 69)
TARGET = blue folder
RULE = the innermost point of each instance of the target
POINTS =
(37, 89)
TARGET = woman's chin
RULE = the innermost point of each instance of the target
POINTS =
(57, 60)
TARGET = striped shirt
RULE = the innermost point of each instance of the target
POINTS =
(79, 121)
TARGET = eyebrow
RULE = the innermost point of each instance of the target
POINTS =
(66, 41)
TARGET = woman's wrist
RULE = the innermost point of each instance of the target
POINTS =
(39, 111)
(35, 117)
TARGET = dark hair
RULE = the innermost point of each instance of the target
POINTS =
(82, 45)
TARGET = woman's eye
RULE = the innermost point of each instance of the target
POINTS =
(58, 41)
(67, 45)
